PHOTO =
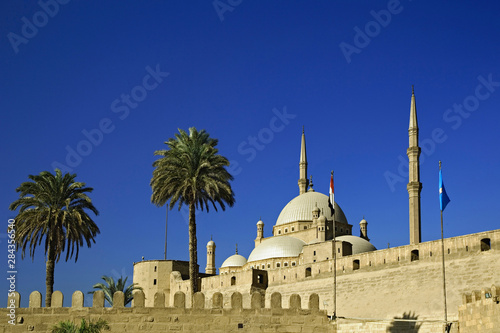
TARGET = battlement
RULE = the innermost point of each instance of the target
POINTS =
(480, 311)
(158, 318)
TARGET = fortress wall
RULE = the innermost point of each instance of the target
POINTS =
(480, 311)
(397, 287)
(178, 318)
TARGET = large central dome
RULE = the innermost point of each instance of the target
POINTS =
(300, 209)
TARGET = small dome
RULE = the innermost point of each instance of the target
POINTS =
(211, 243)
(260, 222)
(363, 221)
(277, 247)
(300, 209)
(235, 260)
(359, 245)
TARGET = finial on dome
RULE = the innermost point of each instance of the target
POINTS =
(412, 90)
(311, 183)
(302, 129)
(211, 237)
(236, 248)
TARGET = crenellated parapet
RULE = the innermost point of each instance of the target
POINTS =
(219, 313)
(480, 310)
(199, 302)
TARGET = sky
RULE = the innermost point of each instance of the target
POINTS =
(95, 88)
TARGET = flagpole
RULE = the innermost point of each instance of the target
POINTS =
(166, 225)
(444, 272)
(334, 262)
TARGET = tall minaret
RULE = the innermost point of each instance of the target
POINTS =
(303, 182)
(414, 185)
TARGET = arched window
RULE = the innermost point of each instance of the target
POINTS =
(233, 280)
(414, 255)
(308, 272)
(355, 264)
(485, 244)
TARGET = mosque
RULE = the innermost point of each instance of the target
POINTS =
(304, 226)
(313, 247)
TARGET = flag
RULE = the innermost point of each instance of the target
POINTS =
(443, 197)
(331, 201)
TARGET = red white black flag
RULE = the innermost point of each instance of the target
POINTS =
(331, 199)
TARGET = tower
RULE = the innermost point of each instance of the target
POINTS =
(414, 185)
(210, 269)
(303, 182)
(260, 232)
(363, 229)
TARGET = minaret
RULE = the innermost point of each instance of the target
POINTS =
(210, 268)
(260, 232)
(363, 229)
(303, 182)
(414, 185)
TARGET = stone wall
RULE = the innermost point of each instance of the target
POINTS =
(159, 318)
(389, 284)
(480, 311)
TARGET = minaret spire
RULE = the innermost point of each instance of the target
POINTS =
(303, 182)
(414, 185)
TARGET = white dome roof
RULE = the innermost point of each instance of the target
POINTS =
(277, 247)
(300, 209)
(359, 245)
(235, 260)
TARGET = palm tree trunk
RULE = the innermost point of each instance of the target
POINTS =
(193, 253)
(49, 277)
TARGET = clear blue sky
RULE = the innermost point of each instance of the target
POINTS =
(342, 69)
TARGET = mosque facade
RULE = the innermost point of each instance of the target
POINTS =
(310, 243)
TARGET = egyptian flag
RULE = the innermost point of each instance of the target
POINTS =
(331, 201)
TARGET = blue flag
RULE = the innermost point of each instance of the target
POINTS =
(443, 197)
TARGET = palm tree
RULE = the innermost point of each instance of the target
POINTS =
(69, 327)
(192, 173)
(53, 210)
(111, 287)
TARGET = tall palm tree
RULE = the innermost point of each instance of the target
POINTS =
(53, 210)
(192, 173)
(111, 287)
